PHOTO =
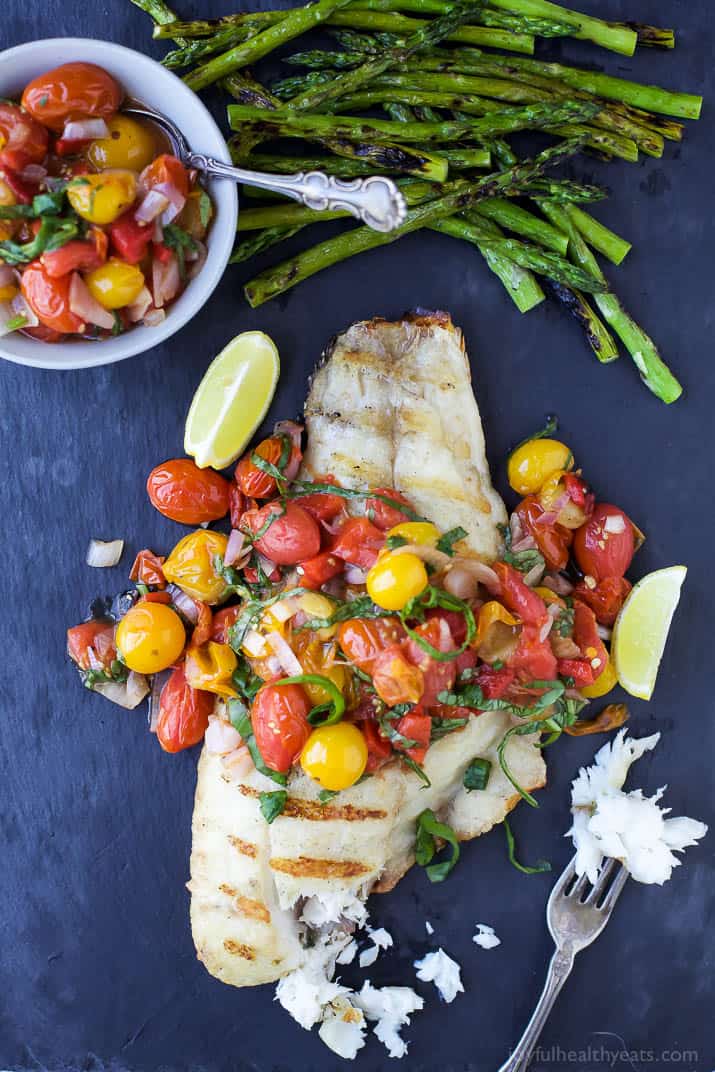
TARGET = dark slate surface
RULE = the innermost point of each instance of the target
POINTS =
(97, 967)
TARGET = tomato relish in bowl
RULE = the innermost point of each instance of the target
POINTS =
(101, 229)
(338, 630)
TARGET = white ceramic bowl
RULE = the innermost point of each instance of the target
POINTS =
(147, 81)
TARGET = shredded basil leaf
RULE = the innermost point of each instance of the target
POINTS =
(564, 624)
(205, 208)
(181, 242)
(363, 607)
(419, 771)
(477, 774)
(551, 426)
(435, 597)
(524, 561)
(388, 730)
(272, 804)
(448, 539)
(392, 542)
(335, 708)
(252, 610)
(16, 322)
(540, 866)
(307, 487)
(428, 828)
(53, 233)
(442, 726)
(326, 795)
(241, 721)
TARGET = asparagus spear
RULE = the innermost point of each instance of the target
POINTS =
(425, 36)
(616, 38)
(599, 236)
(517, 220)
(599, 337)
(655, 374)
(461, 196)
(498, 20)
(162, 15)
(260, 242)
(293, 24)
(289, 214)
(652, 36)
(288, 123)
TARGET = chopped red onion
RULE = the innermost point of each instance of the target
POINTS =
(128, 694)
(86, 307)
(138, 309)
(234, 547)
(604, 632)
(157, 685)
(104, 553)
(534, 575)
(285, 654)
(197, 258)
(183, 603)
(33, 173)
(461, 582)
(546, 628)
(154, 317)
(165, 280)
(7, 275)
(266, 565)
(558, 584)
(157, 235)
(175, 198)
(614, 523)
(151, 207)
(354, 575)
(220, 737)
(85, 130)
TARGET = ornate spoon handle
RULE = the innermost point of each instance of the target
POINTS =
(375, 200)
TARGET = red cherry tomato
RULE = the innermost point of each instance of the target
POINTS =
(494, 683)
(280, 724)
(23, 140)
(252, 480)
(586, 638)
(383, 514)
(438, 676)
(315, 572)
(359, 542)
(166, 169)
(323, 505)
(147, 569)
(95, 636)
(457, 623)
(517, 596)
(183, 713)
(416, 726)
(396, 679)
(82, 255)
(130, 239)
(236, 505)
(49, 299)
(533, 659)
(553, 540)
(44, 334)
(606, 599)
(183, 492)
(379, 748)
(291, 538)
(222, 622)
(579, 669)
(605, 545)
(362, 639)
(72, 91)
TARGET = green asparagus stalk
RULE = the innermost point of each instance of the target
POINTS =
(520, 222)
(598, 236)
(655, 374)
(520, 284)
(287, 123)
(260, 242)
(427, 35)
(564, 191)
(462, 195)
(481, 36)
(195, 51)
(162, 15)
(496, 19)
(652, 36)
(293, 24)
(289, 214)
(599, 337)
(614, 37)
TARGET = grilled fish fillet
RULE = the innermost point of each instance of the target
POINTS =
(391, 405)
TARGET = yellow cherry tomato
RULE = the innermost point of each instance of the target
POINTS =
(130, 144)
(210, 668)
(150, 637)
(553, 496)
(533, 462)
(191, 565)
(605, 681)
(550, 597)
(423, 533)
(335, 756)
(7, 197)
(115, 283)
(101, 198)
(396, 579)
(316, 605)
(8, 292)
(311, 653)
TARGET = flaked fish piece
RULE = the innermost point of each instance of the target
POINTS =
(391, 405)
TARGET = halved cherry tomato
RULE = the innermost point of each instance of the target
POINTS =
(178, 489)
(552, 539)
(71, 146)
(605, 545)
(437, 676)
(166, 169)
(130, 239)
(379, 748)
(585, 636)
(252, 480)
(416, 726)
(362, 640)
(494, 683)
(22, 140)
(358, 543)
(222, 622)
(606, 599)
(236, 505)
(322, 505)
(383, 514)
(314, 572)
(395, 678)
(147, 569)
(80, 255)
(252, 575)
(580, 670)
(280, 724)
(203, 627)
(292, 537)
(49, 299)
(533, 659)
(95, 636)
(517, 596)
(183, 713)
(457, 623)
(72, 91)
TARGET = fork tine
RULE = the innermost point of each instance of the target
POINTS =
(581, 884)
(615, 891)
(601, 883)
(564, 879)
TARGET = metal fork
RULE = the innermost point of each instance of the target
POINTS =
(374, 200)
(576, 914)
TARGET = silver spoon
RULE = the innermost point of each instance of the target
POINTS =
(375, 200)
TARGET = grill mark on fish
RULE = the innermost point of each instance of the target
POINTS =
(307, 867)
(244, 847)
(296, 808)
(238, 949)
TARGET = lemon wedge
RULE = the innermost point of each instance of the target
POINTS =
(232, 400)
(641, 629)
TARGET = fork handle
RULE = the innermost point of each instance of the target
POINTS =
(374, 200)
(559, 969)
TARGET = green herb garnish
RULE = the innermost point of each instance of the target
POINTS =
(181, 242)
(16, 322)
(428, 828)
(524, 561)
(326, 795)
(272, 804)
(393, 542)
(307, 487)
(419, 771)
(447, 541)
(335, 707)
(442, 726)
(477, 774)
(539, 867)
(363, 607)
(205, 208)
(551, 426)
(241, 721)
(435, 597)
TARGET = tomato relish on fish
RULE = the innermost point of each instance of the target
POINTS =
(101, 229)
